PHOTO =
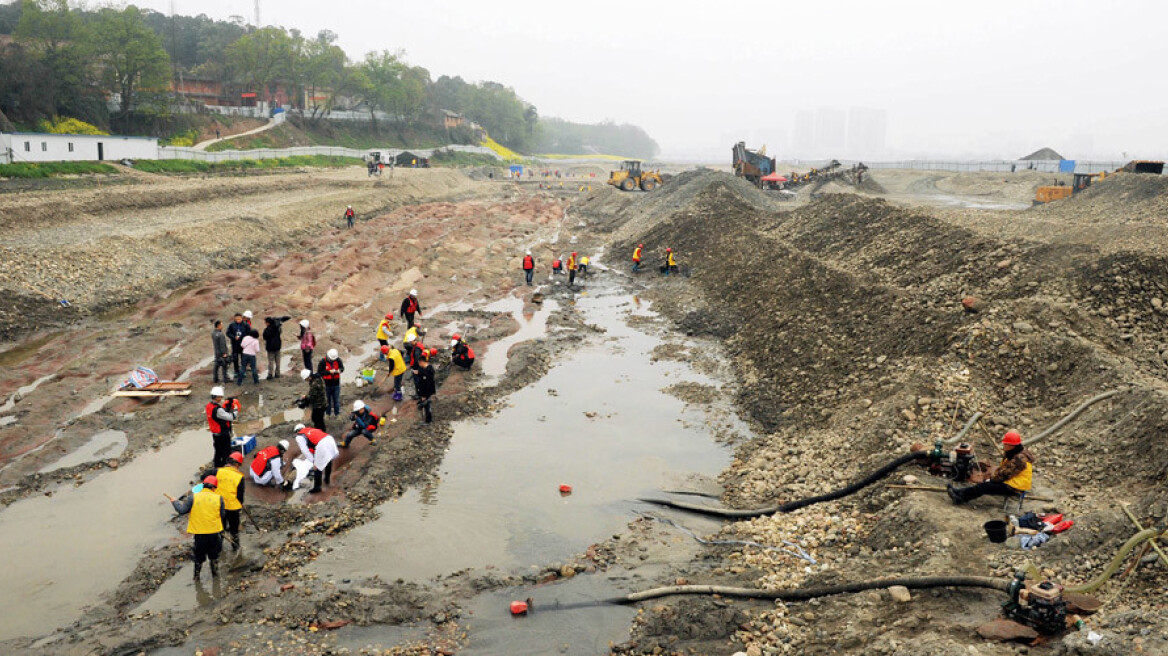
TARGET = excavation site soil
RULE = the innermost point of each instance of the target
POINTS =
(798, 348)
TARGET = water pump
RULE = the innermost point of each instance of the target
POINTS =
(1039, 605)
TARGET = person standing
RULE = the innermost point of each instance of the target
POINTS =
(316, 400)
(229, 479)
(349, 216)
(416, 351)
(637, 258)
(528, 267)
(307, 343)
(385, 331)
(236, 331)
(364, 423)
(273, 342)
(267, 466)
(397, 368)
(410, 307)
(222, 352)
(330, 369)
(220, 415)
(670, 263)
(462, 354)
(251, 352)
(321, 448)
(426, 387)
(206, 525)
(572, 266)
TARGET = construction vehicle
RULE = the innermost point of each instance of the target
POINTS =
(630, 177)
(1083, 180)
(751, 164)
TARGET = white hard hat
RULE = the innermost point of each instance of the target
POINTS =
(358, 405)
(247, 314)
(304, 322)
(454, 342)
(305, 373)
(216, 391)
(413, 292)
(284, 445)
(332, 354)
(409, 337)
(350, 207)
(529, 251)
(299, 427)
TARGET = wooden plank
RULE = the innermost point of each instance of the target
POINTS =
(148, 393)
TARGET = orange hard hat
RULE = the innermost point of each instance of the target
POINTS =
(236, 457)
(210, 481)
(1012, 438)
(389, 316)
(385, 349)
(456, 337)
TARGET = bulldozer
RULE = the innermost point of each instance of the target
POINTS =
(630, 177)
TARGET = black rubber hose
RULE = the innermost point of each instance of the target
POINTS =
(802, 594)
(798, 503)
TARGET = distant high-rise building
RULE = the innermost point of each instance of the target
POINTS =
(831, 127)
(867, 130)
(803, 139)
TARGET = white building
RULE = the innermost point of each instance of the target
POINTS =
(37, 147)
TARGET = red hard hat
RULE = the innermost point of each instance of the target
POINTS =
(389, 316)
(456, 337)
(236, 456)
(573, 252)
(668, 250)
(1012, 438)
(433, 352)
(211, 481)
(385, 349)
(640, 245)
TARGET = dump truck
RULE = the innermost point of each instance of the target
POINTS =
(752, 164)
(630, 177)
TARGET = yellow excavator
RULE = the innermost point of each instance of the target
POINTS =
(630, 177)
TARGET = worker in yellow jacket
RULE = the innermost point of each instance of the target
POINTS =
(230, 486)
(1014, 475)
(385, 330)
(637, 258)
(670, 263)
(206, 524)
(397, 369)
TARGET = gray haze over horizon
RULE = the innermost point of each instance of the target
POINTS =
(875, 80)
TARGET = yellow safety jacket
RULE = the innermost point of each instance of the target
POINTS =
(384, 331)
(571, 263)
(398, 364)
(636, 255)
(670, 261)
(406, 341)
(1022, 480)
(205, 516)
(229, 479)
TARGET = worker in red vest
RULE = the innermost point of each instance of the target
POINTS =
(220, 415)
(463, 355)
(319, 447)
(557, 266)
(528, 267)
(349, 216)
(267, 467)
(330, 369)
(410, 307)
(364, 423)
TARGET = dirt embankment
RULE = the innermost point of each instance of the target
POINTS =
(105, 247)
(845, 318)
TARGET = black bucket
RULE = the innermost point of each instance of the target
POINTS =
(996, 531)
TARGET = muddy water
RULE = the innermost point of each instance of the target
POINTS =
(597, 422)
(106, 444)
(63, 551)
(532, 324)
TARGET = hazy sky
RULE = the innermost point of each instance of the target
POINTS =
(956, 78)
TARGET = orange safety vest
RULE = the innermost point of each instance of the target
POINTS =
(313, 436)
(528, 263)
(636, 254)
(259, 464)
(213, 423)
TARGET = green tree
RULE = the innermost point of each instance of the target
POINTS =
(55, 34)
(133, 60)
(531, 117)
(392, 86)
(262, 59)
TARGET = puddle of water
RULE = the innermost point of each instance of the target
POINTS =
(181, 593)
(10, 419)
(103, 445)
(25, 391)
(256, 425)
(532, 326)
(353, 363)
(597, 422)
(66, 550)
(562, 622)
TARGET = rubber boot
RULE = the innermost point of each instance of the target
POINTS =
(397, 395)
(316, 476)
(214, 567)
(953, 495)
(198, 570)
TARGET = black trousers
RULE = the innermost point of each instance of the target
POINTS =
(571, 277)
(318, 418)
(307, 353)
(424, 408)
(220, 365)
(327, 474)
(236, 356)
(409, 320)
(232, 523)
(207, 547)
(981, 489)
(222, 442)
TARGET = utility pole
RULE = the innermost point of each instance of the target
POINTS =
(257, 14)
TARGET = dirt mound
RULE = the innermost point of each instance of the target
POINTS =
(1042, 154)
(1122, 198)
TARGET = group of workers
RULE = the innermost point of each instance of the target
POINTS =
(669, 266)
(215, 505)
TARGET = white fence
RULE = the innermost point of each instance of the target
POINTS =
(173, 152)
(999, 166)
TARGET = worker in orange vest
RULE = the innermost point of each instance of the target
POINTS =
(572, 266)
(637, 258)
